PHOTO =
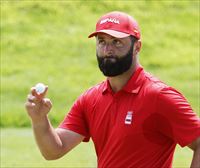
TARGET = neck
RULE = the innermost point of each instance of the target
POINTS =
(118, 82)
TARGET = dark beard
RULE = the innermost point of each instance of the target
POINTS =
(113, 66)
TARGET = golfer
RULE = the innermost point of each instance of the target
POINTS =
(134, 119)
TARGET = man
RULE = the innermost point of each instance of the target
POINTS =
(134, 119)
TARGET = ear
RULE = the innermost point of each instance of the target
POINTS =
(137, 46)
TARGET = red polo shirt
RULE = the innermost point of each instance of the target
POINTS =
(138, 126)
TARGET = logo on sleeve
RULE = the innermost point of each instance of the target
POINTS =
(129, 118)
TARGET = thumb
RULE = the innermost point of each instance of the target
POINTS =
(45, 91)
(40, 96)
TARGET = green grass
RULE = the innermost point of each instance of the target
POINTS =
(47, 42)
(18, 149)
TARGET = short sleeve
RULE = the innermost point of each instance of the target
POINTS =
(178, 121)
(75, 120)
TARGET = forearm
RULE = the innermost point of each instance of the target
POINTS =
(196, 159)
(47, 139)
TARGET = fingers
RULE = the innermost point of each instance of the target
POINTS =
(37, 105)
(32, 101)
(35, 98)
(46, 89)
(33, 91)
(39, 96)
(47, 102)
(31, 98)
(29, 105)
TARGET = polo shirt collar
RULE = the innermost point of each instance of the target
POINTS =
(132, 86)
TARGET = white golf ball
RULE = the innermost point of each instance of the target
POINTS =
(40, 88)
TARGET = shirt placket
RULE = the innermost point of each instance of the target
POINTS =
(115, 109)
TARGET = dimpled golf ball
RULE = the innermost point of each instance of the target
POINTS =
(40, 88)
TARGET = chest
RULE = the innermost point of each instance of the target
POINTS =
(119, 117)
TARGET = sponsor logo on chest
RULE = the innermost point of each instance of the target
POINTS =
(129, 118)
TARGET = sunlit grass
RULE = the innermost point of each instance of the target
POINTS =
(47, 42)
(18, 149)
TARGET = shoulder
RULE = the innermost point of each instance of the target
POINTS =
(164, 93)
(152, 84)
(155, 86)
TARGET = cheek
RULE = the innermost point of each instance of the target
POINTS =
(99, 51)
(121, 52)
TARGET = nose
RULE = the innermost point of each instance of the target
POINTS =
(108, 49)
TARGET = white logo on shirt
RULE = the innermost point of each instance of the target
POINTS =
(129, 117)
(112, 20)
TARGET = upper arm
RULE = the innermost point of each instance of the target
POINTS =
(69, 139)
(195, 144)
(76, 119)
(183, 123)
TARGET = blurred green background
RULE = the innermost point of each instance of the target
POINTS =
(46, 41)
